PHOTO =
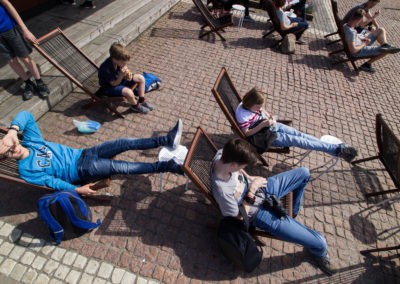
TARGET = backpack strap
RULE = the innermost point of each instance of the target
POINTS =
(55, 229)
(73, 217)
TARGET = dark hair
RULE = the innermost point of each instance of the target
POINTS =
(279, 3)
(118, 52)
(239, 151)
(253, 97)
(358, 14)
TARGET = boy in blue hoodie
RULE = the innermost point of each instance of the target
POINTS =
(61, 167)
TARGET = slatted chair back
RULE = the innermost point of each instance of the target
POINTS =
(59, 50)
(197, 167)
(336, 17)
(388, 153)
(215, 24)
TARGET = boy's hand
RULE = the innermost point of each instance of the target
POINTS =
(8, 141)
(85, 189)
(257, 182)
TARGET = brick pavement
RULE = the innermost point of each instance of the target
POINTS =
(163, 236)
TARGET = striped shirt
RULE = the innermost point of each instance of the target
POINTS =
(247, 118)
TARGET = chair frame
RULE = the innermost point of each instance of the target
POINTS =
(224, 74)
(97, 98)
(338, 21)
(9, 173)
(192, 175)
(215, 24)
(381, 128)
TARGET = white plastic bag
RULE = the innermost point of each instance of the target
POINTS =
(88, 126)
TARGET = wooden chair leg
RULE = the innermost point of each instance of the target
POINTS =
(331, 34)
(365, 160)
(379, 249)
(381, 192)
(335, 51)
(333, 41)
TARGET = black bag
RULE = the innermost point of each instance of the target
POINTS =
(237, 244)
(263, 139)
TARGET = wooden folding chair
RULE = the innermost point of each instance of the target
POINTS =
(59, 50)
(228, 99)
(276, 25)
(9, 173)
(197, 167)
(338, 21)
(215, 24)
(388, 154)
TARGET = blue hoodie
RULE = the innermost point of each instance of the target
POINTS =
(49, 164)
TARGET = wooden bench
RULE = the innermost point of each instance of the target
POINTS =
(388, 154)
(215, 24)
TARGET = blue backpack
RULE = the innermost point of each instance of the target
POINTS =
(64, 209)
(152, 82)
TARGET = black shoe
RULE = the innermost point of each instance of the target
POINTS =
(68, 2)
(175, 134)
(387, 48)
(42, 90)
(28, 91)
(347, 152)
(367, 68)
(324, 264)
(88, 5)
(173, 167)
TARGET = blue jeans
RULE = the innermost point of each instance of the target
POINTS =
(288, 136)
(300, 29)
(96, 162)
(289, 229)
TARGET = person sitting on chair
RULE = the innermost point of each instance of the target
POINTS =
(117, 80)
(295, 25)
(368, 19)
(252, 118)
(61, 167)
(235, 191)
(361, 45)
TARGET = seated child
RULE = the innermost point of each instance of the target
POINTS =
(117, 80)
(250, 112)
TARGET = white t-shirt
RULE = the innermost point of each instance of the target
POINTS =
(282, 17)
(246, 118)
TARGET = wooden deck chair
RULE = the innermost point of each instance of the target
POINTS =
(338, 21)
(59, 50)
(276, 25)
(215, 24)
(9, 173)
(228, 99)
(349, 56)
(197, 167)
(388, 153)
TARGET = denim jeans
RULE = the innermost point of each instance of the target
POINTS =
(96, 162)
(300, 29)
(289, 229)
(288, 136)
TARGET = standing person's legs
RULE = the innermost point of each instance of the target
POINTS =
(140, 80)
(289, 136)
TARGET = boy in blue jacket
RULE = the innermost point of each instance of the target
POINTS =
(61, 167)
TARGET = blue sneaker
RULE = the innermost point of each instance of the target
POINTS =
(175, 134)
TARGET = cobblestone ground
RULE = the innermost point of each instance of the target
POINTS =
(164, 235)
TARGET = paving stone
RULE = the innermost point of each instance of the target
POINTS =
(58, 254)
(105, 270)
(69, 257)
(55, 281)
(27, 258)
(6, 230)
(17, 252)
(29, 276)
(92, 266)
(39, 262)
(86, 278)
(128, 278)
(50, 266)
(7, 266)
(117, 275)
(5, 248)
(62, 271)
(48, 249)
(98, 280)
(80, 262)
(35, 244)
(73, 277)
(141, 280)
(42, 279)
(18, 271)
